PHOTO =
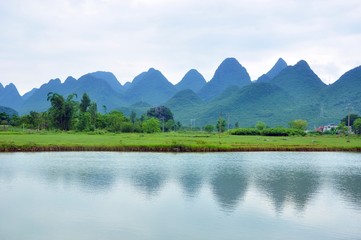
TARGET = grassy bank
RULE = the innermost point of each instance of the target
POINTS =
(170, 142)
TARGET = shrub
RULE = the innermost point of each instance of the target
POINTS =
(209, 128)
(268, 132)
(245, 131)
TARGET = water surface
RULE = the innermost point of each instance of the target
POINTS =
(97, 195)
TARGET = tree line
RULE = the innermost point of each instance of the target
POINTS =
(67, 114)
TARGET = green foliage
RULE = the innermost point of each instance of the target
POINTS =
(283, 132)
(160, 112)
(209, 128)
(113, 121)
(9, 111)
(126, 127)
(260, 125)
(245, 131)
(4, 117)
(93, 111)
(62, 111)
(341, 128)
(357, 126)
(353, 117)
(133, 117)
(84, 103)
(299, 124)
(221, 125)
(169, 125)
(268, 132)
(67, 115)
(151, 125)
(102, 140)
(84, 122)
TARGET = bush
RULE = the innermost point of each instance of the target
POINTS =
(209, 128)
(126, 127)
(151, 125)
(245, 131)
(283, 132)
(268, 132)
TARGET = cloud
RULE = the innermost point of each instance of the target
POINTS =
(41, 40)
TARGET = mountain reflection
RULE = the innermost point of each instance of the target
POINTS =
(191, 182)
(288, 184)
(97, 179)
(229, 185)
(90, 177)
(148, 180)
(349, 185)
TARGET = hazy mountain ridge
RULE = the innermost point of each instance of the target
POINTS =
(151, 87)
(286, 93)
(9, 96)
(8, 111)
(274, 71)
(229, 73)
(193, 80)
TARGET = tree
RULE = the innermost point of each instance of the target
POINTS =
(56, 111)
(169, 125)
(84, 103)
(126, 127)
(61, 112)
(93, 110)
(34, 120)
(209, 128)
(83, 121)
(342, 128)
(260, 125)
(151, 125)
(70, 107)
(4, 116)
(357, 126)
(161, 112)
(299, 124)
(133, 117)
(353, 117)
(4, 119)
(221, 125)
(113, 121)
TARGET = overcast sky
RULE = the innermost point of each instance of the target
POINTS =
(41, 39)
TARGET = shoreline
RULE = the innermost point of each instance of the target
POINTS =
(172, 149)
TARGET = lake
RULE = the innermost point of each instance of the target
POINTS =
(108, 195)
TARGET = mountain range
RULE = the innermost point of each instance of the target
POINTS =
(277, 97)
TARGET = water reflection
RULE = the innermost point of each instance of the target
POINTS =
(149, 180)
(229, 185)
(97, 179)
(282, 181)
(349, 185)
(191, 182)
(288, 184)
(90, 176)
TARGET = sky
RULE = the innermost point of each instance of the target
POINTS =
(42, 40)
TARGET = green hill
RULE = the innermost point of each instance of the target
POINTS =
(151, 87)
(184, 105)
(8, 111)
(229, 73)
(97, 89)
(193, 80)
(343, 96)
(300, 82)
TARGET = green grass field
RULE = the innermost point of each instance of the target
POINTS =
(170, 142)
